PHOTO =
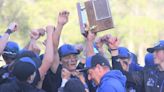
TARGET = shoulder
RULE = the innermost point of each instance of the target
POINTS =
(106, 87)
(150, 69)
(9, 87)
(111, 84)
(58, 72)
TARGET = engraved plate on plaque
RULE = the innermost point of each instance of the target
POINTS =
(101, 9)
(99, 14)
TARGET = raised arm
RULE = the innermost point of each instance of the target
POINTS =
(48, 56)
(89, 44)
(62, 20)
(4, 39)
(132, 77)
(35, 35)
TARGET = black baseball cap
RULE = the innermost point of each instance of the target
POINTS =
(24, 68)
(74, 85)
(96, 59)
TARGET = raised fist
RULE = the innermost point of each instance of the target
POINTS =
(34, 34)
(113, 42)
(13, 26)
(79, 47)
(41, 31)
(63, 17)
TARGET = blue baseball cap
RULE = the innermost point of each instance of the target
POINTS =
(157, 46)
(96, 59)
(11, 49)
(27, 53)
(28, 60)
(123, 52)
(149, 59)
(67, 49)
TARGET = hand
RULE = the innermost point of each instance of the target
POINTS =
(79, 47)
(80, 76)
(36, 49)
(105, 38)
(65, 74)
(91, 36)
(99, 43)
(13, 26)
(34, 34)
(63, 17)
(112, 42)
(41, 31)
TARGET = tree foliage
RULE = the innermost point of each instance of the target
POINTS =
(138, 23)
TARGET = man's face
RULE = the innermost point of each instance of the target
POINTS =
(93, 74)
(125, 62)
(158, 56)
(69, 62)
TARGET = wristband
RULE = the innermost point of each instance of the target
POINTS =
(113, 49)
(8, 31)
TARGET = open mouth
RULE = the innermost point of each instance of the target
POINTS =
(73, 64)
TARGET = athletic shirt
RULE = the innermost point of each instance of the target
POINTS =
(52, 82)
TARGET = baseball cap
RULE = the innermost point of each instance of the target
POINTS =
(27, 53)
(74, 85)
(24, 68)
(158, 46)
(67, 49)
(149, 59)
(124, 52)
(11, 49)
(96, 59)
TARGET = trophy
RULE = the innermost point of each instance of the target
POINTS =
(95, 13)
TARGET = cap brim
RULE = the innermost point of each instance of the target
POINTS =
(83, 70)
(150, 50)
(123, 56)
(75, 53)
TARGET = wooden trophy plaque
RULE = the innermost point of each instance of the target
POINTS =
(98, 15)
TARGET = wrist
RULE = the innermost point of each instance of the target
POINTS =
(112, 49)
(9, 31)
(50, 32)
(114, 52)
(90, 41)
(33, 40)
(60, 24)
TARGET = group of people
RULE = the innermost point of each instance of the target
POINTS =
(61, 69)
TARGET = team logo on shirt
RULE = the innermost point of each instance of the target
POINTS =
(150, 82)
